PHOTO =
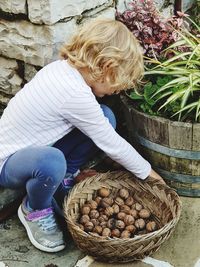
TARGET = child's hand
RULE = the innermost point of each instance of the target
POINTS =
(155, 177)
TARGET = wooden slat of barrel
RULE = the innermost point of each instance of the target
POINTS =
(196, 137)
(195, 166)
(180, 165)
(196, 147)
(158, 130)
(153, 129)
(180, 135)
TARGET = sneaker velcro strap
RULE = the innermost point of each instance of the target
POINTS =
(68, 182)
(38, 214)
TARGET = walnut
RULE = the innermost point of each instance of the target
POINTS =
(85, 210)
(145, 214)
(125, 234)
(115, 208)
(121, 215)
(123, 193)
(137, 206)
(98, 229)
(109, 211)
(88, 227)
(103, 218)
(106, 202)
(119, 201)
(92, 204)
(101, 211)
(106, 232)
(133, 213)
(103, 224)
(84, 218)
(111, 223)
(103, 192)
(125, 208)
(95, 221)
(140, 224)
(94, 214)
(120, 224)
(129, 219)
(115, 233)
(151, 226)
(97, 200)
(129, 201)
(130, 228)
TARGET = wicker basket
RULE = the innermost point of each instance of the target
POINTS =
(159, 199)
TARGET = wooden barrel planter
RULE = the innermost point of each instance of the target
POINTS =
(172, 147)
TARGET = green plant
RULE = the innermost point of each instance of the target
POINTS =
(195, 11)
(144, 101)
(179, 96)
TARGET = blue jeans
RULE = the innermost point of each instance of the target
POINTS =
(41, 169)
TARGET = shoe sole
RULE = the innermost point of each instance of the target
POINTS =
(31, 238)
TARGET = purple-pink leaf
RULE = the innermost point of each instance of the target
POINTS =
(153, 31)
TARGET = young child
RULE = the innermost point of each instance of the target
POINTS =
(54, 124)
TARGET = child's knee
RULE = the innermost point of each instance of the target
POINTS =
(53, 164)
(108, 113)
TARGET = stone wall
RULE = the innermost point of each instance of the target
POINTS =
(32, 31)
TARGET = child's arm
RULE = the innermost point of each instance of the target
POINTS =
(85, 113)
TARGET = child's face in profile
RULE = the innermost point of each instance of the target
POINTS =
(99, 88)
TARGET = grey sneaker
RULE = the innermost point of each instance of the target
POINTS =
(42, 228)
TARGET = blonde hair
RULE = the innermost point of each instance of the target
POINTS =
(108, 49)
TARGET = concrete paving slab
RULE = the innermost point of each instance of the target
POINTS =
(181, 250)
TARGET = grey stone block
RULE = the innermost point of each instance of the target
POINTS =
(8, 196)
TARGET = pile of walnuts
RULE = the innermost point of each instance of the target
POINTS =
(120, 216)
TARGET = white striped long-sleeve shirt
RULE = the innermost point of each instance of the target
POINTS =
(55, 101)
